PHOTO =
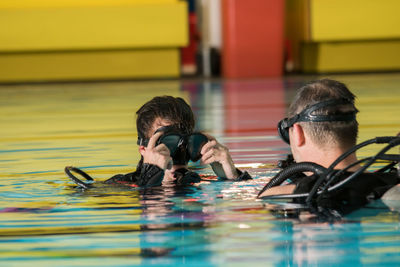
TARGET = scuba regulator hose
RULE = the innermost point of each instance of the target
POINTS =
(328, 175)
(292, 169)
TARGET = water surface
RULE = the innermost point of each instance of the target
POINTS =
(47, 221)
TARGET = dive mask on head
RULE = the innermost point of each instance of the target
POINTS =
(182, 147)
(306, 116)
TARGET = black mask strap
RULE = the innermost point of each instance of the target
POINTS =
(307, 116)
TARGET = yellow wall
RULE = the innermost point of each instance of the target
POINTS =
(89, 65)
(354, 19)
(76, 3)
(93, 27)
(91, 39)
(351, 56)
(344, 35)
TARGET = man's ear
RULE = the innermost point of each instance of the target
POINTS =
(298, 135)
(142, 149)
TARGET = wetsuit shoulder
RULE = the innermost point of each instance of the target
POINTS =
(376, 183)
(364, 183)
(126, 178)
(147, 175)
(353, 194)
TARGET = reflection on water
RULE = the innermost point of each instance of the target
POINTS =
(46, 220)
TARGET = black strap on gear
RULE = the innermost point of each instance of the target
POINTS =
(69, 169)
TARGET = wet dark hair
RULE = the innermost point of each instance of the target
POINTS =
(343, 133)
(173, 109)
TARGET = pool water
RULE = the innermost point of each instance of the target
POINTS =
(46, 221)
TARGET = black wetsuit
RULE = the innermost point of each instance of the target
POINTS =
(353, 194)
(152, 175)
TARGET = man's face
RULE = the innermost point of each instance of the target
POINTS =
(158, 123)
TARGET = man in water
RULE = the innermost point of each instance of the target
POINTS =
(158, 165)
(322, 126)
